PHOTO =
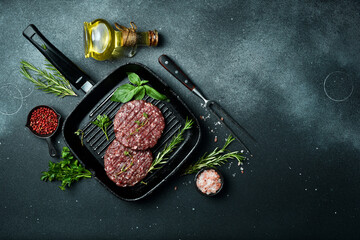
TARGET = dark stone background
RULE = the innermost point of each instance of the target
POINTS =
(264, 61)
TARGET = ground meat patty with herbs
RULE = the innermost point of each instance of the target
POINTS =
(138, 125)
(125, 166)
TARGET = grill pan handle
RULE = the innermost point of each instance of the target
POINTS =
(172, 68)
(66, 67)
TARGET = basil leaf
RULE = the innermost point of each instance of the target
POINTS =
(134, 78)
(143, 82)
(140, 93)
(124, 93)
(127, 92)
(154, 94)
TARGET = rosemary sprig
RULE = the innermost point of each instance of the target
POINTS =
(161, 157)
(215, 158)
(50, 82)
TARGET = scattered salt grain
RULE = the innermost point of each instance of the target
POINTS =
(207, 117)
(234, 174)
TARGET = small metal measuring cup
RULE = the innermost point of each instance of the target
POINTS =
(47, 137)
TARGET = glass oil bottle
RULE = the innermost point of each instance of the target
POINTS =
(102, 41)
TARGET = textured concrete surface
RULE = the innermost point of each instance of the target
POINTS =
(264, 61)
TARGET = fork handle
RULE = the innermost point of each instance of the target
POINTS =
(172, 68)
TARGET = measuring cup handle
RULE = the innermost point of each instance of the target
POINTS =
(172, 68)
(52, 150)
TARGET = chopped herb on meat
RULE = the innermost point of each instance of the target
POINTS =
(138, 125)
(124, 170)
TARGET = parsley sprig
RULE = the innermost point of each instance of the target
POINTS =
(102, 122)
(215, 158)
(136, 90)
(162, 156)
(80, 133)
(67, 171)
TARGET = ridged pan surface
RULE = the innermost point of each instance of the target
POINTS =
(97, 101)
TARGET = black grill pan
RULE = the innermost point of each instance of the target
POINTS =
(97, 101)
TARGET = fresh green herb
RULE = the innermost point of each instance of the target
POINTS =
(50, 82)
(137, 91)
(140, 124)
(161, 157)
(215, 158)
(131, 163)
(67, 170)
(102, 122)
(124, 169)
(126, 153)
(142, 182)
(80, 132)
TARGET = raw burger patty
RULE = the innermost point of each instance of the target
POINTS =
(138, 125)
(125, 166)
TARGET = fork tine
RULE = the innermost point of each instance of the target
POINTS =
(228, 117)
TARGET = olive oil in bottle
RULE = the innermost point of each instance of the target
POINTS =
(102, 42)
